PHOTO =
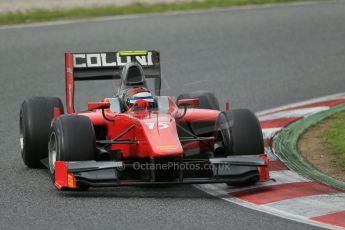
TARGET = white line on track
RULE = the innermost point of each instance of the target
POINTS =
(270, 132)
(311, 101)
(294, 113)
(312, 206)
(270, 153)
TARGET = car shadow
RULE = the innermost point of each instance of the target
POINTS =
(169, 192)
(42, 176)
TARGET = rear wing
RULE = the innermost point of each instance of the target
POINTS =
(107, 66)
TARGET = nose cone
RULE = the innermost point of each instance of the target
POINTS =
(162, 137)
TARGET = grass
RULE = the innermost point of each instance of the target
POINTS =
(335, 136)
(77, 13)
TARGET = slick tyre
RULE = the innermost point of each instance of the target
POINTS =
(72, 138)
(35, 118)
(223, 139)
(246, 132)
(207, 99)
(238, 132)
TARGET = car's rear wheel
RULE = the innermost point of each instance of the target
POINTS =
(35, 118)
(72, 138)
(207, 99)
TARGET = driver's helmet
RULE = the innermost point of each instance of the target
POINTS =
(137, 93)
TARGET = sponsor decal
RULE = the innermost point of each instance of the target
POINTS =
(94, 60)
(167, 147)
(133, 53)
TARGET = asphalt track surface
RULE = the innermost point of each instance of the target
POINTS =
(259, 58)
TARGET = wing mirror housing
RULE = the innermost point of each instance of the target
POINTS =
(98, 105)
(195, 102)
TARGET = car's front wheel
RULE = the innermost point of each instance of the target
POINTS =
(72, 138)
(238, 132)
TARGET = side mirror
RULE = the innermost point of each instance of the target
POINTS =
(189, 102)
(97, 105)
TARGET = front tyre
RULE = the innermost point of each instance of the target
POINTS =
(35, 118)
(246, 133)
(238, 132)
(72, 138)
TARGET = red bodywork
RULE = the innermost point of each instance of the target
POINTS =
(159, 140)
(155, 132)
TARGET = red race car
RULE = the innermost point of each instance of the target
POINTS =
(138, 137)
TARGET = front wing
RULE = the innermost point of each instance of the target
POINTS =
(79, 174)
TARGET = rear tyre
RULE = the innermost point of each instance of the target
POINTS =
(72, 138)
(207, 99)
(34, 121)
